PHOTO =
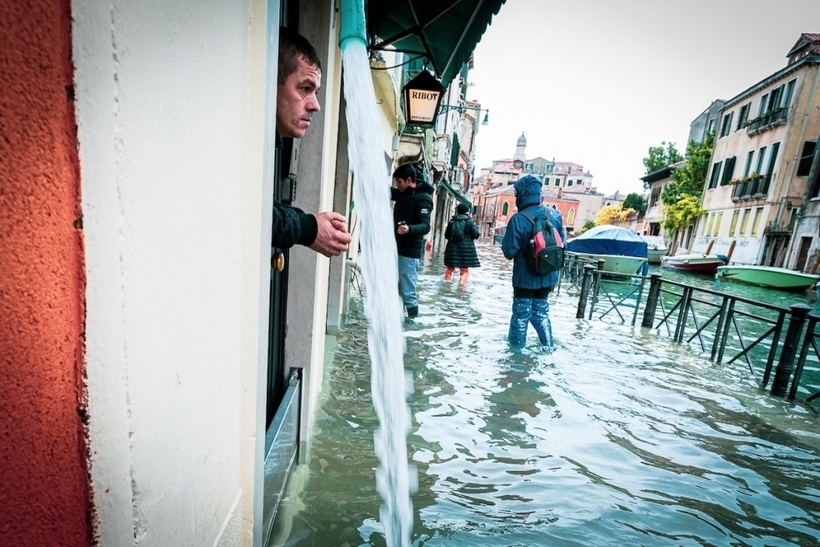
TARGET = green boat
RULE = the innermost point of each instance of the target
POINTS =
(768, 276)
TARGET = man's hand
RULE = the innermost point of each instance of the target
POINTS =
(402, 228)
(332, 238)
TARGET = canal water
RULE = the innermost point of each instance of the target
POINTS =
(619, 437)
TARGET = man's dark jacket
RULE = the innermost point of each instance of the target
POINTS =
(291, 225)
(413, 207)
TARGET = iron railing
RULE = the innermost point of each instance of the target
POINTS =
(729, 329)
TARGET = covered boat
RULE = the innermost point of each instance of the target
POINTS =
(656, 248)
(623, 251)
(768, 276)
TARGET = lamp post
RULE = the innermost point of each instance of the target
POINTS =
(422, 96)
(463, 108)
(422, 101)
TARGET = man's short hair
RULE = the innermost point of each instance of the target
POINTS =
(293, 45)
(405, 171)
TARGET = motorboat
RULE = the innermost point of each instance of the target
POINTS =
(656, 249)
(622, 251)
(695, 262)
(768, 276)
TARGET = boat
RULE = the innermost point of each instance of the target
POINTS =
(768, 276)
(656, 249)
(624, 252)
(694, 262)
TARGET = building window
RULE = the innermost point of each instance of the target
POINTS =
(718, 222)
(549, 168)
(726, 125)
(728, 171)
(546, 181)
(787, 100)
(707, 227)
(760, 157)
(756, 223)
(528, 166)
(569, 183)
(735, 218)
(557, 181)
(710, 126)
(804, 167)
(743, 116)
(749, 158)
(571, 216)
(505, 209)
(713, 180)
(761, 108)
(745, 222)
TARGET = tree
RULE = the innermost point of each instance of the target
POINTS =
(681, 197)
(634, 201)
(612, 214)
(691, 178)
(661, 156)
(588, 225)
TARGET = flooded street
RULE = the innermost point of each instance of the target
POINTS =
(619, 437)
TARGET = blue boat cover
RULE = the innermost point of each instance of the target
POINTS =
(609, 240)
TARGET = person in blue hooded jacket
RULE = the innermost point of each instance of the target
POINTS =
(530, 290)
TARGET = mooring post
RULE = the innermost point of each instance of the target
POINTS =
(586, 283)
(799, 313)
(652, 300)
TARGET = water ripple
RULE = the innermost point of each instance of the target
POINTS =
(616, 438)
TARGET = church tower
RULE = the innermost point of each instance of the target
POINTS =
(521, 148)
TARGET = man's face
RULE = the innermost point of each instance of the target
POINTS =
(296, 100)
(404, 184)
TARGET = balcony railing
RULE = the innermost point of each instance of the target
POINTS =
(753, 188)
(767, 121)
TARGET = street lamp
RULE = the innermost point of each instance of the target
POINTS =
(462, 108)
(422, 96)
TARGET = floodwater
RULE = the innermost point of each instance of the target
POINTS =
(619, 437)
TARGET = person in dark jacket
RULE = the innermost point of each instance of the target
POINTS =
(411, 214)
(530, 290)
(299, 78)
(461, 233)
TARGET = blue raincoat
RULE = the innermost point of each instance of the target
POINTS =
(519, 232)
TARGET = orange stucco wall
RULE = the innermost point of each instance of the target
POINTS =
(44, 485)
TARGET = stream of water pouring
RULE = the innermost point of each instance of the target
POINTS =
(382, 304)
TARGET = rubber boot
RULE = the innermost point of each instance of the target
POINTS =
(540, 319)
(521, 311)
(448, 273)
(463, 276)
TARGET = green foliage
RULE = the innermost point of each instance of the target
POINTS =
(588, 225)
(682, 213)
(634, 201)
(681, 197)
(691, 178)
(612, 214)
(661, 156)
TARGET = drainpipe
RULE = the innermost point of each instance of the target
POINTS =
(795, 159)
(352, 22)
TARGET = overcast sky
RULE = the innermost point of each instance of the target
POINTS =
(597, 82)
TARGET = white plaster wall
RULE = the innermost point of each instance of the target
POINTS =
(171, 164)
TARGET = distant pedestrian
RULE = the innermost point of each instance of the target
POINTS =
(530, 289)
(460, 252)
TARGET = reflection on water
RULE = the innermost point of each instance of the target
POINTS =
(617, 438)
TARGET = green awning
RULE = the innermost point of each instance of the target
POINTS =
(456, 194)
(445, 32)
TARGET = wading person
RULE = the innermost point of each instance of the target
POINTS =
(461, 233)
(530, 289)
(411, 216)
(299, 79)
